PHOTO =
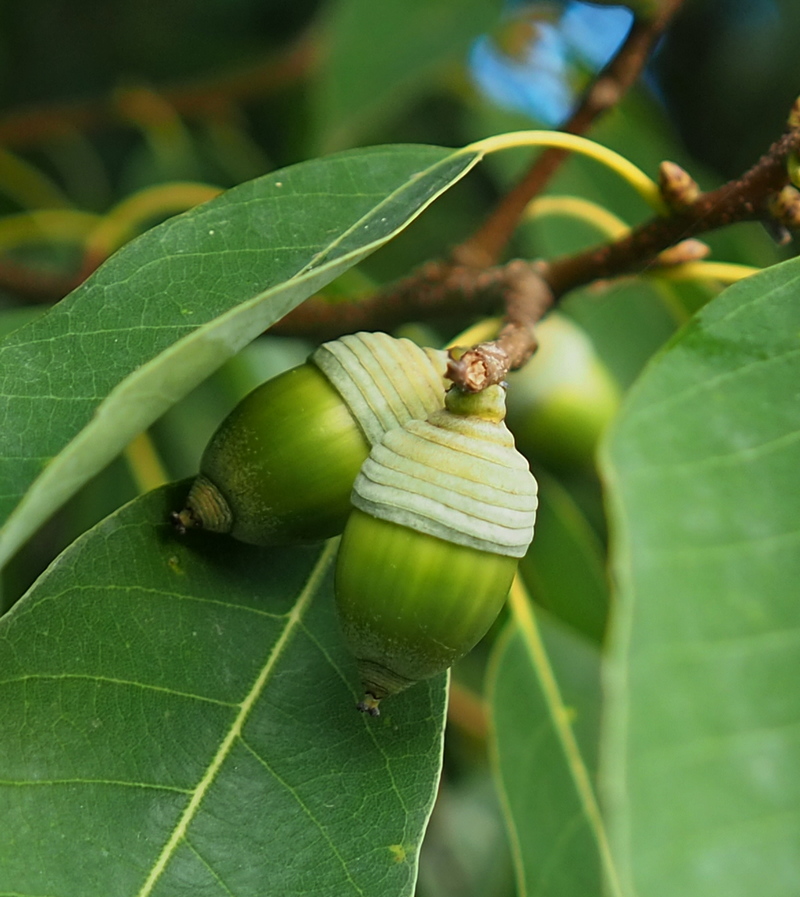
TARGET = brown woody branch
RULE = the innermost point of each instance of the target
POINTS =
(745, 199)
(438, 289)
(485, 246)
(528, 289)
(527, 298)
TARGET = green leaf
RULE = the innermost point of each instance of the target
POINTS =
(564, 566)
(545, 697)
(168, 309)
(703, 736)
(648, 309)
(178, 717)
(382, 53)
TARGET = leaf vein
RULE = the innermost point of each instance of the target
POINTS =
(234, 734)
(304, 807)
(86, 677)
(148, 786)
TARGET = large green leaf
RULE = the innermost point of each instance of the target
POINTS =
(564, 566)
(172, 306)
(544, 692)
(380, 54)
(178, 717)
(703, 737)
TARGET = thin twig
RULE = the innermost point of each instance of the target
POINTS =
(528, 289)
(437, 290)
(744, 199)
(485, 246)
(527, 299)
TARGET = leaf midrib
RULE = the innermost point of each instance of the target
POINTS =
(293, 622)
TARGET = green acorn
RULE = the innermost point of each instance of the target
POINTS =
(560, 403)
(443, 510)
(281, 466)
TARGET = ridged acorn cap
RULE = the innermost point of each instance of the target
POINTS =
(281, 466)
(384, 381)
(456, 476)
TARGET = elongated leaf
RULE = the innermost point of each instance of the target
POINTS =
(178, 718)
(703, 738)
(563, 569)
(544, 691)
(382, 53)
(172, 306)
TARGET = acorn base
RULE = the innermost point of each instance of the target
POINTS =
(206, 508)
(369, 705)
(379, 682)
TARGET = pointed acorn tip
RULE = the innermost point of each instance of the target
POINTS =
(369, 705)
(206, 508)
(182, 520)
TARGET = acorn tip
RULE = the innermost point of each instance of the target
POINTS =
(182, 520)
(369, 705)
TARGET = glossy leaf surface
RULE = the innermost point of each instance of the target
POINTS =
(168, 309)
(179, 718)
(544, 691)
(703, 731)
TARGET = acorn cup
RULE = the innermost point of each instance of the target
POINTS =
(443, 511)
(280, 467)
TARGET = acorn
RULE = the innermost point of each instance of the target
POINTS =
(443, 510)
(560, 403)
(280, 467)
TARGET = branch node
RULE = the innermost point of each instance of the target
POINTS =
(690, 250)
(784, 207)
(527, 298)
(474, 369)
(678, 188)
(793, 121)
